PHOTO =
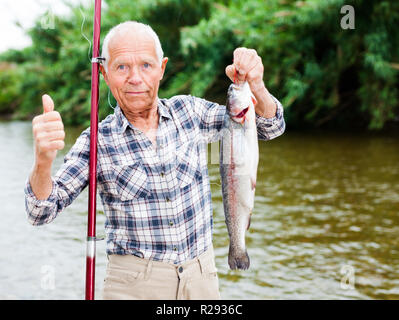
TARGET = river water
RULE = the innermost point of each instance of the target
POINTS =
(325, 223)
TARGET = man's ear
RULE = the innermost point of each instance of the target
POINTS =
(163, 66)
(104, 73)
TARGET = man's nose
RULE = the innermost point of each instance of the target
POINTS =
(134, 76)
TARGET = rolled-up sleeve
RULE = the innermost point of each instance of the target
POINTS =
(211, 118)
(67, 184)
(40, 211)
(270, 128)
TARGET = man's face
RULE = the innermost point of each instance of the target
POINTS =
(134, 71)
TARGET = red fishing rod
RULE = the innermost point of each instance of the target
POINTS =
(91, 223)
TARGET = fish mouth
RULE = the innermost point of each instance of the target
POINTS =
(240, 114)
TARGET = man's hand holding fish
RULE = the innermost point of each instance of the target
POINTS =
(247, 66)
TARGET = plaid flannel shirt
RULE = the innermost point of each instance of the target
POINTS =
(157, 201)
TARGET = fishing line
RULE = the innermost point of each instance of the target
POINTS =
(235, 75)
(89, 54)
(83, 35)
(109, 102)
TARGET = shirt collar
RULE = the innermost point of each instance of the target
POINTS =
(163, 109)
(123, 123)
(121, 120)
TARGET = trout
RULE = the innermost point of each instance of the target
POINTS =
(239, 156)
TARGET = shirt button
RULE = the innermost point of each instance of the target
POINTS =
(167, 199)
(174, 248)
(162, 174)
(181, 269)
(171, 223)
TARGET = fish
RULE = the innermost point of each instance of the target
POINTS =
(238, 163)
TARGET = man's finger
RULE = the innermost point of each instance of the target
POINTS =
(57, 135)
(230, 72)
(57, 144)
(234, 75)
(249, 61)
(48, 104)
(51, 116)
(52, 126)
(237, 54)
(238, 77)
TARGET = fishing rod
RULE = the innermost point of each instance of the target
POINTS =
(91, 223)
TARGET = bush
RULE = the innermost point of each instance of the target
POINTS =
(324, 75)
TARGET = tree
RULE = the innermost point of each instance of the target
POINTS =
(323, 74)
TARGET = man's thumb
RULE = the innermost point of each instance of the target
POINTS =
(230, 72)
(48, 104)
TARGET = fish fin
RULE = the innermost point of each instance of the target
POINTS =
(254, 101)
(238, 259)
(249, 220)
(253, 183)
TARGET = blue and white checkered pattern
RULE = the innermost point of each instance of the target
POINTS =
(157, 201)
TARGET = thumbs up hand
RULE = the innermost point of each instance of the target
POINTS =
(48, 103)
(48, 133)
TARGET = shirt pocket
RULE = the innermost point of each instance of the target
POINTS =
(187, 163)
(131, 181)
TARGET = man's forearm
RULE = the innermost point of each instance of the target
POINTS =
(265, 107)
(40, 181)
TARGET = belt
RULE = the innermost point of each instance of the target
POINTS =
(204, 263)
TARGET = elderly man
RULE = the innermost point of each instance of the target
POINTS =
(152, 170)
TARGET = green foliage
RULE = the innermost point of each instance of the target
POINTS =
(9, 83)
(324, 75)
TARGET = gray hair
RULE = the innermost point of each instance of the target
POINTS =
(126, 27)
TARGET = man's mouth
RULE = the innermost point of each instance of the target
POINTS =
(135, 92)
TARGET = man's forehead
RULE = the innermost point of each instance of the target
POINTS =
(129, 56)
(134, 39)
(129, 44)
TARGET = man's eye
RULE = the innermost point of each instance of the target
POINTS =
(121, 67)
(146, 65)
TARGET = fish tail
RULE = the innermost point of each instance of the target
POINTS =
(238, 259)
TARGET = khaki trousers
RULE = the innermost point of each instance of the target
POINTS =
(132, 278)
